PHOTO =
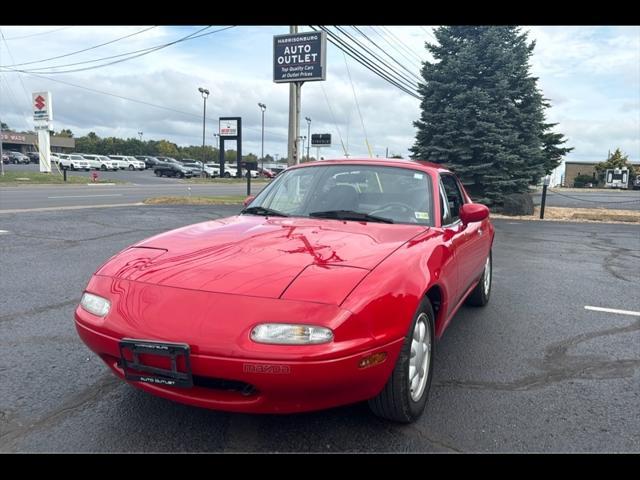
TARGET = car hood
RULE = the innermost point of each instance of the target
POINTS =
(260, 256)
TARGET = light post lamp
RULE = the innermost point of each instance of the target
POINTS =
(263, 107)
(303, 138)
(308, 135)
(205, 94)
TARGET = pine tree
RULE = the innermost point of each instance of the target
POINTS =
(617, 160)
(482, 112)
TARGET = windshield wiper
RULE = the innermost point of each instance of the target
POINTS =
(264, 211)
(350, 215)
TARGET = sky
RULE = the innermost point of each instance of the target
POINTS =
(590, 74)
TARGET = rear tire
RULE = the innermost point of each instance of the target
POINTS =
(479, 297)
(402, 400)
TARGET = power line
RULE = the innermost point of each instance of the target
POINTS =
(381, 63)
(149, 49)
(385, 52)
(430, 34)
(333, 117)
(366, 139)
(342, 45)
(36, 34)
(383, 37)
(145, 51)
(78, 51)
(101, 92)
(404, 45)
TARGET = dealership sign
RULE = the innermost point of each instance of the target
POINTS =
(300, 57)
(42, 112)
(320, 139)
(13, 137)
(228, 128)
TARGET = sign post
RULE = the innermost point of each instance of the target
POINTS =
(230, 128)
(298, 58)
(42, 117)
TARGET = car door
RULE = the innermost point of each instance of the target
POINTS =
(470, 251)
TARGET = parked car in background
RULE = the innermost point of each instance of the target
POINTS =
(34, 157)
(211, 170)
(265, 172)
(169, 160)
(636, 183)
(17, 157)
(195, 167)
(128, 162)
(74, 162)
(103, 162)
(278, 170)
(93, 164)
(5, 158)
(169, 169)
(229, 170)
(149, 162)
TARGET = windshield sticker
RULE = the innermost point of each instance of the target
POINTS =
(422, 215)
(417, 176)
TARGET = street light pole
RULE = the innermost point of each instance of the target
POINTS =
(308, 135)
(205, 94)
(263, 107)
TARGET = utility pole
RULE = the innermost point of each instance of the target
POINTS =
(387, 154)
(294, 117)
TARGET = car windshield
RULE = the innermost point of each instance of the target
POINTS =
(349, 192)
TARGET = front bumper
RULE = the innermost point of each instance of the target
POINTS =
(276, 386)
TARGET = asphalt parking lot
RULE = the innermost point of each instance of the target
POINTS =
(532, 371)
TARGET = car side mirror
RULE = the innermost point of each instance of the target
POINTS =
(248, 200)
(473, 212)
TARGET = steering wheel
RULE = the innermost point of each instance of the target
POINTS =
(390, 206)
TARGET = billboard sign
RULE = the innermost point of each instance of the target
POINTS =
(320, 139)
(300, 57)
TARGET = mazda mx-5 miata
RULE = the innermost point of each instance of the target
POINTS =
(330, 287)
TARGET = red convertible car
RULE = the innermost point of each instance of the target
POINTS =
(329, 288)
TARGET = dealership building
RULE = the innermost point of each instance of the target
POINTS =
(573, 169)
(28, 142)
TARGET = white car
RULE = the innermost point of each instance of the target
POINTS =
(229, 171)
(103, 162)
(131, 163)
(93, 164)
(211, 170)
(74, 162)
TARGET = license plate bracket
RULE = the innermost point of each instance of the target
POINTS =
(135, 370)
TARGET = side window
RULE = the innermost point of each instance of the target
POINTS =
(445, 213)
(454, 198)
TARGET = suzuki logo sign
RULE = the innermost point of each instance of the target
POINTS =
(42, 113)
(40, 102)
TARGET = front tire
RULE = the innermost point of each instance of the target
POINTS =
(404, 397)
(479, 297)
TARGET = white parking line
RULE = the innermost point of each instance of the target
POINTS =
(612, 310)
(89, 196)
(2, 232)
